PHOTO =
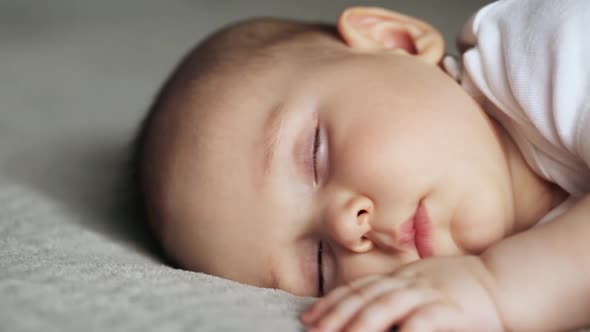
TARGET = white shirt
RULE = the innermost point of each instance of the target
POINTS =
(528, 65)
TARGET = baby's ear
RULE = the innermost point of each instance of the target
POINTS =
(371, 29)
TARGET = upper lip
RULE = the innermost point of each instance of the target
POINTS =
(406, 233)
(422, 234)
(415, 234)
(411, 235)
(407, 236)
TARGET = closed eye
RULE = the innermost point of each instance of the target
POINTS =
(320, 270)
(316, 146)
(317, 143)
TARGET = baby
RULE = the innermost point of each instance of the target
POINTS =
(352, 161)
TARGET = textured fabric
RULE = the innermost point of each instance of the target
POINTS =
(528, 66)
(57, 274)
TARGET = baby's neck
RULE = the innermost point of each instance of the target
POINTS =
(533, 196)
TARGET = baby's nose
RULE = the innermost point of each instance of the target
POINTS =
(350, 223)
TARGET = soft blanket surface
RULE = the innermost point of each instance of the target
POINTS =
(76, 79)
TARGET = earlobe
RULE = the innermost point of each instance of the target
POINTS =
(371, 29)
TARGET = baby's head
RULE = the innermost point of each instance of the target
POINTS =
(277, 147)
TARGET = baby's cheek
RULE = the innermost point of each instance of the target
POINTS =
(477, 225)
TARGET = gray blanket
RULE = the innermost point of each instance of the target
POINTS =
(76, 79)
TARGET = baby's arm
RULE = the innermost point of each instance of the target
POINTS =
(542, 276)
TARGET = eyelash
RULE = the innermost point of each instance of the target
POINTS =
(316, 146)
(320, 274)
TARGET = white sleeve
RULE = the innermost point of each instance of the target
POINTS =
(534, 55)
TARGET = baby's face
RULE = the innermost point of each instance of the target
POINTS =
(379, 160)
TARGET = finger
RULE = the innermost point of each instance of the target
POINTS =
(437, 316)
(391, 308)
(324, 304)
(356, 301)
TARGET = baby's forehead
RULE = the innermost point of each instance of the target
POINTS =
(221, 113)
(234, 66)
(213, 112)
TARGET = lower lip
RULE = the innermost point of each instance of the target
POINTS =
(423, 232)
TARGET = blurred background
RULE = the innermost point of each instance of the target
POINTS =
(77, 76)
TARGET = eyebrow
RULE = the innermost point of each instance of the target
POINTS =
(272, 136)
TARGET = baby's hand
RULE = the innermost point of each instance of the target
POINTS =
(435, 294)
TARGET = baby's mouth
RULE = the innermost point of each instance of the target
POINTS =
(422, 227)
(413, 235)
(416, 233)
